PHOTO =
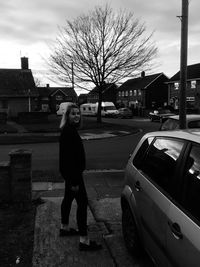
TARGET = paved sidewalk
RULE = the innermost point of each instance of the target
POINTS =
(104, 225)
(52, 250)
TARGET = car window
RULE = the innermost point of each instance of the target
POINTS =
(170, 124)
(194, 124)
(160, 162)
(137, 161)
(192, 171)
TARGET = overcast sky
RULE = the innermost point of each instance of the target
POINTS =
(27, 27)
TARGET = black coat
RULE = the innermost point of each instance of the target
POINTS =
(71, 155)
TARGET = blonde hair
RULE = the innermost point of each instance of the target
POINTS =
(65, 116)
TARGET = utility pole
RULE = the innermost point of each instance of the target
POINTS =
(183, 64)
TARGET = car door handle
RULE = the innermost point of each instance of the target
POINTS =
(176, 230)
(137, 186)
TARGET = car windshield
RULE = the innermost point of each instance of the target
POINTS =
(164, 111)
(170, 124)
(109, 108)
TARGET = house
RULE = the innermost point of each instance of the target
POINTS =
(144, 93)
(50, 97)
(192, 89)
(82, 99)
(17, 90)
(109, 93)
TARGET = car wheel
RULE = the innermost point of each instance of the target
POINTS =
(130, 232)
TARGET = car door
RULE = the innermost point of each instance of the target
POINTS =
(183, 232)
(154, 188)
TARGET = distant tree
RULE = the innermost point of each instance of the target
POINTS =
(37, 82)
(101, 47)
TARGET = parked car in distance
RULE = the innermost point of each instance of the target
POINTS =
(161, 196)
(125, 113)
(172, 122)
(108, 109)
(88, 109)
(160, 114)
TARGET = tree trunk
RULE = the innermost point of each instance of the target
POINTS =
(99, 120)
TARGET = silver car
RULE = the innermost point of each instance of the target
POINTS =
(161, 196)
(172, 122)
(125, 113)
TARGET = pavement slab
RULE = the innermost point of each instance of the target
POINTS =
(52, 251)
(104, 225)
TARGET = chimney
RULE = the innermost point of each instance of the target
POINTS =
(47, 85)
(24, 63)
(143, 74)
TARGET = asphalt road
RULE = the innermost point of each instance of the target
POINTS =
(111, 153)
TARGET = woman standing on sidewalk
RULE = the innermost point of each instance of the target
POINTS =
(72, 165)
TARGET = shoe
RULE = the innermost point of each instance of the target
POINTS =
(69, 232)
(93, 246)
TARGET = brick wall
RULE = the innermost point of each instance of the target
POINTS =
(5, 185)
(16, 178)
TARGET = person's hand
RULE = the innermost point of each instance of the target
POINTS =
(75, 188)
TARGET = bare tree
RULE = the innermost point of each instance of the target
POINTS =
(37, 82)
(102, 47)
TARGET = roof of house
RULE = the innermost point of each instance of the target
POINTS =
(17, 82)
(83, 95)
(106, 87)
(47, 91)
(193, 72)
(140, 82)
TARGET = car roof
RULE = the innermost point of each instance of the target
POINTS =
(187, 134)
(188, 117)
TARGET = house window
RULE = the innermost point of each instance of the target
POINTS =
(119, 94)
(135, 92)
(45, 98)
(45, 107)
(193, 84)
(139, 92)
(131, 92)
(59, 97)
(190, 98)
(122, 93)
(176, 86)
(126, 93)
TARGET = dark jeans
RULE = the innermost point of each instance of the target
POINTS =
(82, 204)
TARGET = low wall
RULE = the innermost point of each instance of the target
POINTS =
(33, 117)
(16, 178)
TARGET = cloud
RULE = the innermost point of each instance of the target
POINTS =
(30, 26)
